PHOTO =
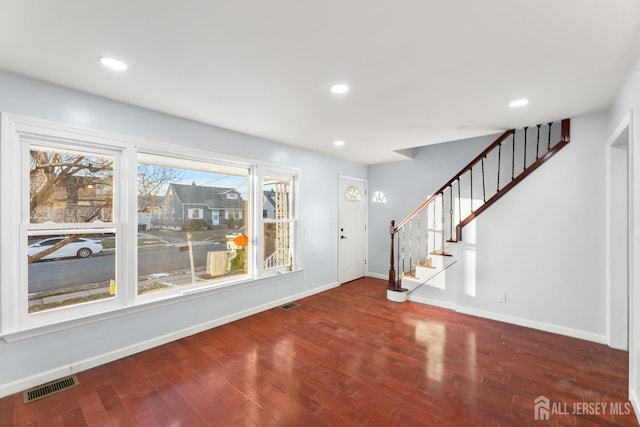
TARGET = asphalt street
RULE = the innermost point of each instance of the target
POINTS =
(62, 273)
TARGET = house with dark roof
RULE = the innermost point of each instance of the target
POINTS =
(269, 204)
(214, 205)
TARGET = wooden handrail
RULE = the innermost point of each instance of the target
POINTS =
(455, 178)
(394, 284)
(564, 140)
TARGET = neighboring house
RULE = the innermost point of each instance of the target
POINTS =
(215, 205)
(269, 204)
(75, 199)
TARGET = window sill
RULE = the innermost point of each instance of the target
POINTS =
(185, 295)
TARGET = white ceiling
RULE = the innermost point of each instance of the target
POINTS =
(420, 71)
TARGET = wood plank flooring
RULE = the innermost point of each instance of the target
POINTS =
(347, 357)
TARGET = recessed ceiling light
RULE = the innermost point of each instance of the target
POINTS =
(518, 103)
(114, 64)
(338, 143)
(339, 89)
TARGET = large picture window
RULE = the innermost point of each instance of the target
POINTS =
(96, 223)
(184, 243)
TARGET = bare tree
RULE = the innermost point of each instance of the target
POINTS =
(152, 182)
(71, 188)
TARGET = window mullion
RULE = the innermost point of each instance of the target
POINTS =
(128, 211)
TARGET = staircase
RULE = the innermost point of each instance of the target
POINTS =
(423, 244)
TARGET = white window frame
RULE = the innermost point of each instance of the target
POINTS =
(18, 136)
(15, 321)
(294, 223)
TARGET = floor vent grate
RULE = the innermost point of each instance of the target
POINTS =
(49, 388)
(290, 306)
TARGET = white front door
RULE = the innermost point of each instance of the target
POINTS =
(352, 229)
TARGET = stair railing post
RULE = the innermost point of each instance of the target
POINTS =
(392, 269)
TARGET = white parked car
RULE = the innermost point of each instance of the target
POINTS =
(81, 248)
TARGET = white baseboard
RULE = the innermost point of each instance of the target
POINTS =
(534, 324)
(433, 302)
(62, 371)
(378, 276)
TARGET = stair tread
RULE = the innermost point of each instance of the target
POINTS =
(440, 253)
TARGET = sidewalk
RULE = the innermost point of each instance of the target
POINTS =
(151, 283)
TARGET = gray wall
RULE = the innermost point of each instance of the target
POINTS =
(627, 102)
(35, 359)
(408, 183)
(542, 243)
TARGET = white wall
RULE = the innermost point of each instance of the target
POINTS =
(628, 101)
(542, 243)
(32, 361)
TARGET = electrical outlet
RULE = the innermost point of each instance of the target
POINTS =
(502, 297)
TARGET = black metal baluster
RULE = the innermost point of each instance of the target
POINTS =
(484, 195)
(524, 165)
(499, 157)
(538, 142)
(549, 141)
(471, 178)
(513, 155)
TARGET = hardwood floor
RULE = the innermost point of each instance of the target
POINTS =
(347, 357)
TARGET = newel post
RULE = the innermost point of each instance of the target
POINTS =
(392, 269)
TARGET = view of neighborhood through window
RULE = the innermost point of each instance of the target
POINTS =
(70, 235)
(103, 222)
(190, 216)
(278, 222)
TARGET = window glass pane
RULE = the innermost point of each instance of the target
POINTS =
(352, 194)
(67, 269)
(276, 245)
(190, 215)
(68, 187)
(276, 212)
